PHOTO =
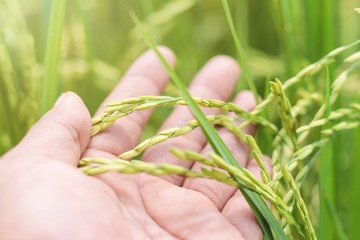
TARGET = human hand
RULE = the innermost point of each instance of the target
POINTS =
(45, 196)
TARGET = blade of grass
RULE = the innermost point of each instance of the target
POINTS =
(337, 222)
(241, 17)
(354, 208)
(326, 177)
(263, 138)
(311, 11)
(52, 55)
(288, 38)
(240, 50)
(329, 23)
(355, 190)
(259, 207)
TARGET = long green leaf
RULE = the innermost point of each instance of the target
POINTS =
(240, 50)
(339, 228)
(52, 55)
(355, 190)
(259, 207)
(326, 176)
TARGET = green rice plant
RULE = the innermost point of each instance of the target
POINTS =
(297, 217)
(336, 86)
(247, 180)
(300, 155)
(257, 204)
(308, 71)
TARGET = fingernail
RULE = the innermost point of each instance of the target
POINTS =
(60, 99)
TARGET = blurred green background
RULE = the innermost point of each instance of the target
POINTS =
(99, 42)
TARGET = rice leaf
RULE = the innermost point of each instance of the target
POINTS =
(326, 176)
(355, 190)
(242, 57)
(288, 36)
(52, 56)
(337, 222)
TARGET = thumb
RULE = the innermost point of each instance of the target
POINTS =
(62, 134)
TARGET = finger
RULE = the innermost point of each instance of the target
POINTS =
(189, 216)
(146, 76)
(61, 134)
(218, 192)
(216, 80)
(238, 211)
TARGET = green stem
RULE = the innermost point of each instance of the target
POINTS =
(311, 13)
(326, 175)
(52, 56)
(242, 56)
(355, 190)
(288, 35)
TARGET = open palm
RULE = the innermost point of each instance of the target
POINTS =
(44, 196)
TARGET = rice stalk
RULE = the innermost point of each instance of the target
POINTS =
(96, 166)
(340, 127)
(304, 215)
(257, 154)
(308, 71)
(118, 109)
(299, 156)
(308, 99)
(284, 109)
(314, 148)
(353, 58)
(282, 150)
(134, 166)
(172, 133)
(336, 86)
(343, 114)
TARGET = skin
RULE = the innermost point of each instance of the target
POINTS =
(44, 196)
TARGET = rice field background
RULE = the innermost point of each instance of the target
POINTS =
(280, 38)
